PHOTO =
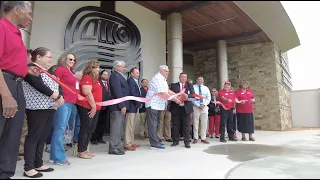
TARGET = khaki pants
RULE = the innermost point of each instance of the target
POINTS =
(129, 129)
(23, 135)
(165, 117)
(201, 116)
(143, 125)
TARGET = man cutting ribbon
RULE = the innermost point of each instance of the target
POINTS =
(228, 98)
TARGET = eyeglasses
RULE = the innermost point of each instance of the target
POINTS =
(49, 57)
(72, 59)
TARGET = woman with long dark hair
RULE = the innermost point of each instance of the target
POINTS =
(90, 88)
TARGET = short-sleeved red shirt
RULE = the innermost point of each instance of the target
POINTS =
(247, 107)
(96, 91)
(66, 77)
(229, 95)
(13, 53)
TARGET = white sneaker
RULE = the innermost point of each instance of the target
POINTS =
(50, 161)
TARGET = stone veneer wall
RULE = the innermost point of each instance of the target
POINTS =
(259, 64)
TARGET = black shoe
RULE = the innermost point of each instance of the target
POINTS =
(116, 153)
(217, 137)
(69, 145)
(187, 146)
(232, 139)
(102, 141)
(223, 140)
(45, 170)
(169, 140)
(121, 150)
(34, 176)
(94, 142)
(175, 144)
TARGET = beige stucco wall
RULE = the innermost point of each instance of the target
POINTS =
(305, 107)
(50, 20)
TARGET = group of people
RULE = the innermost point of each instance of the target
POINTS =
(38, 110)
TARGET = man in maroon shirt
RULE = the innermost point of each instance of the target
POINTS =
(13, 68)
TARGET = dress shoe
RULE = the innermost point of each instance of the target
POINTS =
(174, 144)
(34, 176)
(95, 142)
(169, 140)
(116, 153)
(135, 145)
(130, 148)
(45, 170)
(251, 139)
(195, 141)
(205, 141)
(69, 145)
(121, 150)
(223, 140)
(158, 147)
(187, 145)
(217, 137)
(233, 139)
(102, 141)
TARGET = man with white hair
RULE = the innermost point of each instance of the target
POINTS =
(13, 68)
(119, 88)
(158, 84)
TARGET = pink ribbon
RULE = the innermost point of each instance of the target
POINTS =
(113, 101)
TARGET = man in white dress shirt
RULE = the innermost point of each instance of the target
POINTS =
(158, 84)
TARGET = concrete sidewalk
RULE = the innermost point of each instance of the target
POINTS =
(276, 154)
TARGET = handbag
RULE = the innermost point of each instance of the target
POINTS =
(67, 136)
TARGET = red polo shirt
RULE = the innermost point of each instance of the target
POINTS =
(96, 91)
(13, 53)
(67, 78)
(229, 95)
(247, 107)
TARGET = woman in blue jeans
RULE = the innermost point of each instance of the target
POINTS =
(74, 120)
(65, 73)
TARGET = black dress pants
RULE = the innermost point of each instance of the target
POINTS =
(226, 119)
(39, 127)
(87, 127)
(11, 130)
(177, 120)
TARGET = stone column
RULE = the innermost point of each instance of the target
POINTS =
(222, 62)
(26, 32)
(174, 46)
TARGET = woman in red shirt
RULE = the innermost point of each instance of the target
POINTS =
(64, 72)
(245, 110)
(90, 88)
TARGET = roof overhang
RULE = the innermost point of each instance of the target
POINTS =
(272, 18)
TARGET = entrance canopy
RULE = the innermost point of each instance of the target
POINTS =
(237, 22)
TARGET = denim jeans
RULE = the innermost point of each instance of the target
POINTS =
(60, 123)
(74, 123)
